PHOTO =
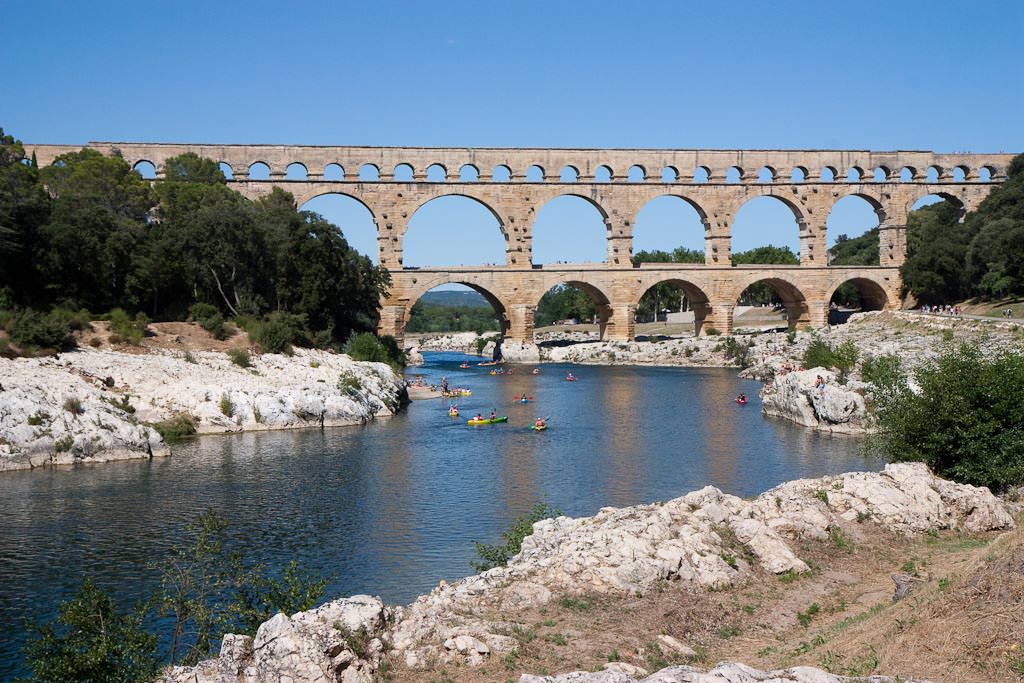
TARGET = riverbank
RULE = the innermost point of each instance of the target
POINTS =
(90, 405)
(798, 576)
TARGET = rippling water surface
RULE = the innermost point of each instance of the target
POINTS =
(393, 507)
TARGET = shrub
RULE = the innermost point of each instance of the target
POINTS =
(818, 354)
(31, 329)
(130, 330)
(209, 318)
(965, 422)
(499, 555)
(75, 320)
(176, 428)
(366, 346)
(712, 331)
(348, 382)
(845, 357)
(791, 337)
(240, 357)
(226, 406)
(279, 332)
(887, 376)
(73, 405)
(737, 351)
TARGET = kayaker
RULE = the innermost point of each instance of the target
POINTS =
(570, 377)
(479, 417)
(539, 424)
(742, 398)
(493, 415)
(444, 384)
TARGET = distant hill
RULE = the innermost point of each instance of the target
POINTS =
(455, 298)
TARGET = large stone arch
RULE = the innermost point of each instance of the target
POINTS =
(542, 198)
(877, 292)
(379, 248)
(799, 212)
(698, 298)
(954, 199)
(598, 295)
(481, 283)
(788, 287)
(416, 206)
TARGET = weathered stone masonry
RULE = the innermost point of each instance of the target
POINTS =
(616, 286)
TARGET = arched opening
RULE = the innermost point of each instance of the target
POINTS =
(146, 169)
(669, 229)
(603, 174)
(353, 219)
(907, 174)
(569, 229)
(770, 304)
(799, 175)
(853, 296)
(765, 230)
(369, 173)
(852, 232)
(854, 174)
(296, 171)
(453, 230)
(501, 174)
(985, 174)
(436, 173)
(766, 174)
(669, 174)
(334, 172)
(569, 174)
(637, 174)
(933, 174)
(881, 174)
(828, 175)
(734, 174)
(936, 198)
(259, 171)
(571, 306)
(403, 173)
(456, 307)
(469, 174)
(671, 308)
(226, 169)
(937, 242)
(535, 174)
(960, 174)
(702, 174)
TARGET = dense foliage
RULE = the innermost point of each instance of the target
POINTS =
(966, 421)
(498, 555)
(948, 260)
(855, 251)
(89, 232)
(564, 302)
(206, 590)
(369, 347)
(428, 317)
(762, 293)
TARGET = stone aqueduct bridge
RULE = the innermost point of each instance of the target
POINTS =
(629, 179)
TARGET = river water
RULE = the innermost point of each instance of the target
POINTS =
(393, 507)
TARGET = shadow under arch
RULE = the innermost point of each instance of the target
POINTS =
(855, 294)
(697, 301)
(788, 293)
(500, 309)
(955, 201)
(600, 300)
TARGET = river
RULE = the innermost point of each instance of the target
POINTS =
(393, 507)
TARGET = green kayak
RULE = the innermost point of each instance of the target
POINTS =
(487, 421)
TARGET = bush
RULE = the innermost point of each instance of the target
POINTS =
(818, 354)
(498, 555)
(240, 357)
(887, 376)
(366, 346)
(967, 421)
(227, 407)
(176, 428)
(209, 318)
(712, 331)
(32, 330)
(73, 405)
(845, 357)
(279, 332)
(130, 330)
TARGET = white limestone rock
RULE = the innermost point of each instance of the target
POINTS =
(832, 408)
(725, 672)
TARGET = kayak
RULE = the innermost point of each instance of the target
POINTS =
(538, 429)
(741, 401)
(487, 421)
(464, 366)
(453, 413)
(535, 371)
(570, 379)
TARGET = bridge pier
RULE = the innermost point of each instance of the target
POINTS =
(520, 323)
(619, 323)
(817, 314)
(392, 321)
(718, 318)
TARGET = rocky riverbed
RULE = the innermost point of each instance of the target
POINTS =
(703, 541)
(94, 406)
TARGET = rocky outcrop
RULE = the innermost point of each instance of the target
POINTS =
(723, 673)
(706, 538)
(832, 407)
(119, 393)
(455, 341)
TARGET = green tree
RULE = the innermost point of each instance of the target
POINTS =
(24, 209)
(92, 642)
(966, 421)
(562, 302)
(855, 251)
(192, 168)
(934, 271)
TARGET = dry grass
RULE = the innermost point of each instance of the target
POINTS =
(177, 336)
(960, 624)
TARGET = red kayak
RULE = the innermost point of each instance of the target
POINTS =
(741, 401)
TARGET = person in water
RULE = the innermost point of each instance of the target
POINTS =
(570, 376)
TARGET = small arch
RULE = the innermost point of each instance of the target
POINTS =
(854, 174)
(637, 174)
(828, 174)
(226, 169)
(881, 174)
(403, 173)
(144, 168)
(570, 228)
(933, 174)
(501, 174)
(766, 174)
(603, 174)
(436, 173)
(673, 296)
(799, 174)
(986, 173)
(908, 174)
(296, 171)
(469, 174)
(669, 174)
(569, 174)
(259, 171)
(334, 172)
(734, 174)
(702, 174)
(369, 173)
(770, 303)
(535, 174)
(960, 174)
(853, 296)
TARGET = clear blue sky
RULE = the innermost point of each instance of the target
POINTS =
(879, 75)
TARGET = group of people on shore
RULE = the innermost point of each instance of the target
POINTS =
(939, 309)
